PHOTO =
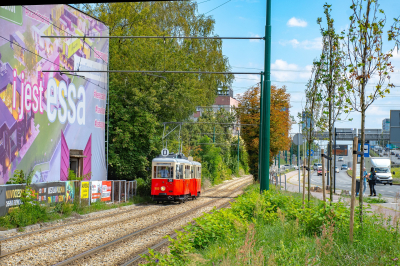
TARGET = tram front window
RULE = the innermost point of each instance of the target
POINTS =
(163, 172)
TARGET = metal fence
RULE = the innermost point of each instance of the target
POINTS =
(84, 192)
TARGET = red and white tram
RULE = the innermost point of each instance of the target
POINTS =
(175, 178)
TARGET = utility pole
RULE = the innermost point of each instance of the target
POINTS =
(260, 134)
(266, 105)
(238, 151)
(334, 166)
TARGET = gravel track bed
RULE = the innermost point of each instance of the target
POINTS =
(59, 250)
(122, 252)
(68, 228)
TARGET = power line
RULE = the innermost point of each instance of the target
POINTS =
(217, 7)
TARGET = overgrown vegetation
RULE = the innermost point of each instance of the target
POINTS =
(273, 229)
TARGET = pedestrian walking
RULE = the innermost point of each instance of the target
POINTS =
(365, 180)
(372, 182)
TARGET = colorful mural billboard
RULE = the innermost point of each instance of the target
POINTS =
(51, 122)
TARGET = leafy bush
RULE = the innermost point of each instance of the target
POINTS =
(143, 187)
(274, 229)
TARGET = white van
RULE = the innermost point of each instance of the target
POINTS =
(382, 169)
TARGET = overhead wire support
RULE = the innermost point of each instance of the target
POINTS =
(155, 71)
(156, 37)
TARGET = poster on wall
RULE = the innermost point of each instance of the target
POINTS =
(69, 191)
(43, 115)
(41, 191)
(106, 191)
(96, 191)
(55, 192)
(13, 196)
(84, 190)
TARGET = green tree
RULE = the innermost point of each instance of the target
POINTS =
(366, 59)
(139, 103)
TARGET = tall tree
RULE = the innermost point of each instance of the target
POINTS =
(249, 113)
(366, 60)
(140, 103)
(315, 120)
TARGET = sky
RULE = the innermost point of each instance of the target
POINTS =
(296, 42)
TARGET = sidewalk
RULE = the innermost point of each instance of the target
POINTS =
(391, 208)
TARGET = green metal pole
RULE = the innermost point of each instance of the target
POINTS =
(286, 157)
(238, 152)
(290, 158)
(265, 118)
(260, 134)
(214, 135)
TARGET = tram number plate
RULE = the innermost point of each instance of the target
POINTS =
(169, 179)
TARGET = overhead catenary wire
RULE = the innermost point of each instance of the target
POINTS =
(156, 71)
(154, 37)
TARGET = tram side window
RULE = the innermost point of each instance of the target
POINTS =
(179, 174)
(187, 172)
(163, 172)
(199, 172)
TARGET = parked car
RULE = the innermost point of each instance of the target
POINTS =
(337, 169)
(340, 159)
(397, 155)
(343, 167)
(392, 153)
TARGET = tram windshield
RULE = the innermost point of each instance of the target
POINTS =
(163, 172)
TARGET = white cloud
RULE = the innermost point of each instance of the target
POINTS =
(296, 22)
(314, 44)
(284, 75)
(254, 35)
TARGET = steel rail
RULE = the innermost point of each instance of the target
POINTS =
(81, 231)
(163, 242)
(115, 241)
(153, 37)
(85, 220)
(151, 71)
(71, 223)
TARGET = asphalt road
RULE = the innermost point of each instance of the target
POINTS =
(343, 181)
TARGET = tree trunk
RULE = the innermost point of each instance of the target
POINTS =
(364, 75)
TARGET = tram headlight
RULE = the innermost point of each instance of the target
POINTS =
(162, 188)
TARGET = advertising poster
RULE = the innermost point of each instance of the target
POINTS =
(69, 191)
(106, 191)
(84, 190)
(44, 112)
(56, 192)
(13, 196)
(41, 191)
(3, 210)
(96, 191)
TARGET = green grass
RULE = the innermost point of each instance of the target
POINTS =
(274, 229)
(375, 200)
(373, 153)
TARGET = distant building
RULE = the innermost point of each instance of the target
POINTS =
(224, 100)
(386, 125)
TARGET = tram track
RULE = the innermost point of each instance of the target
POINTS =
(133, 220)
(95, 256)
(164, 243)
(66, 227)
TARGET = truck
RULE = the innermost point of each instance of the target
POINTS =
(382, 169)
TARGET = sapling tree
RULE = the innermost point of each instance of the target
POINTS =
(366, 62)
(332, 80)
(315, 120)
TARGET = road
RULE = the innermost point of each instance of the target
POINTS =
(343, 181)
